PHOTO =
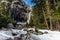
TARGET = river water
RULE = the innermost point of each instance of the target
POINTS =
(52, 35)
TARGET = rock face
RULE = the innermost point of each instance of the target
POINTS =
(19, 10)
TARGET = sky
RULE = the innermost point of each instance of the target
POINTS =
(29, 3)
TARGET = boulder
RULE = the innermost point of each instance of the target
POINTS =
(45, 32)
(10, 25)
(9, 39)
(16, 38)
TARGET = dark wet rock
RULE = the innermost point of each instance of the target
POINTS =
(38, 33)
(17, 38)
(22, 37)
(36, 30)
(9, 39)
(25, 29)
(29, 37)
(14, 34)
(45, 32)
(41, 33)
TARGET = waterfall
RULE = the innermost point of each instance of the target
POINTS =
(29, 15)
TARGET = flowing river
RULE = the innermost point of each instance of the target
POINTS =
(52, 35)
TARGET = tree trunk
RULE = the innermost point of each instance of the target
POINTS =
(49, 13)
(56, 3)
(58, 26)
(56, 7)
(45, 19)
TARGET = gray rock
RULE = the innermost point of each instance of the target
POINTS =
(9, 39)
(16, 38)
(45, 32)
(10, 25)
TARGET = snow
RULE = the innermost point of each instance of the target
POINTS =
(52, 35)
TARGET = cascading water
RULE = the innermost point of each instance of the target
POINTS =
(51, 35)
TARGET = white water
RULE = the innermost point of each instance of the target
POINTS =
(52, 35)
(8, 34)
(29, 15)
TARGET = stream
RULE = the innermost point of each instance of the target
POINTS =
(52, 35)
